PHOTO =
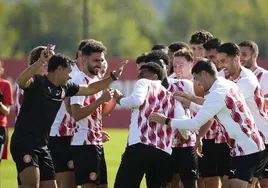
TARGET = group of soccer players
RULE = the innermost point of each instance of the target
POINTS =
(198, 119)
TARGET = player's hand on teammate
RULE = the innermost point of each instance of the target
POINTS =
(198, 147)
(107, 95)
(158, 118)
(184, 95)
(120, 69)
(185, 102)
(105, 136)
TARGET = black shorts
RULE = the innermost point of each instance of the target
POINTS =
(243, 167)
(25, 156)
(261, 171)
(184, 161)
(90, 164)
(61, 153)
(140, 159)
(3, 139)
(208, 163)
(223, 157)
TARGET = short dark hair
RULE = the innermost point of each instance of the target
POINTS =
(212, 44)
(157, 56)
(251, 44)
(200, 37)
(154, 68)
(205, 65)
(187, 54)
(36, 53)
(83, 42)
(141, 58)
(159, 47)
(175, 46)
(58, 60)
(92, 47)
(230, 48)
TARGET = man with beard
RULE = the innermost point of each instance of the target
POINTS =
(211, 47)
(228, 56)
(225, 103)
(87, 145)
(248, 58)
(43, 96)
(62, 131)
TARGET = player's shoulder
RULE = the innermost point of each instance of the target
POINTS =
(182, 82)
(5, 82)
(144, 81)
(220, 88)
(262, 71)
(80, 78)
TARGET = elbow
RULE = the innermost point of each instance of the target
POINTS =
(76, 117)
(138, 103)
(19, 82)
(69, 110)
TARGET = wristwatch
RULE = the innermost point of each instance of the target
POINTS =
(112, 74)
(167, 121)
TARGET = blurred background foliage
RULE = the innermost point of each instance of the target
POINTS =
(127, 27)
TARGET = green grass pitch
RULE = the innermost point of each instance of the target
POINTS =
(113, 151)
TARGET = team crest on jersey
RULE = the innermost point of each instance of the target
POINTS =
(63, 94)
(93, 176)
(27, 158)
(70, 164)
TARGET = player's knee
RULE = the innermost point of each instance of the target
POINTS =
(29, 177)
(264, 183)
(189, 183)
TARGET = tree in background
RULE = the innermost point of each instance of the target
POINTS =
(226, 19)
(127, 28)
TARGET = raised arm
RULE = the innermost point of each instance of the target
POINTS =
(137, 97)
(102, 84)
(24, 80)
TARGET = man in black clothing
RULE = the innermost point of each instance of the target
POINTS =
(43, 96)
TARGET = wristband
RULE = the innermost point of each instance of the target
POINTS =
(167, 121)
(112, 74)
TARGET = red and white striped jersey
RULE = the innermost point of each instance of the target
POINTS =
(64, 123)
(150, 96)
(227, 105)
(18, 100)
(262, 76)
(251, 90)
(87, 130)
(182, 139)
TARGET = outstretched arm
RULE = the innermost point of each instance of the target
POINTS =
(102, 84)
(24, 80)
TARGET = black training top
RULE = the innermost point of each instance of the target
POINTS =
(39, 108)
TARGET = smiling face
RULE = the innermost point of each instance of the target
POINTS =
(201, 80)
(93, 63)
(246, 57)
(182, 67)
(64, 74)
(227, 63)
(212, 56)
